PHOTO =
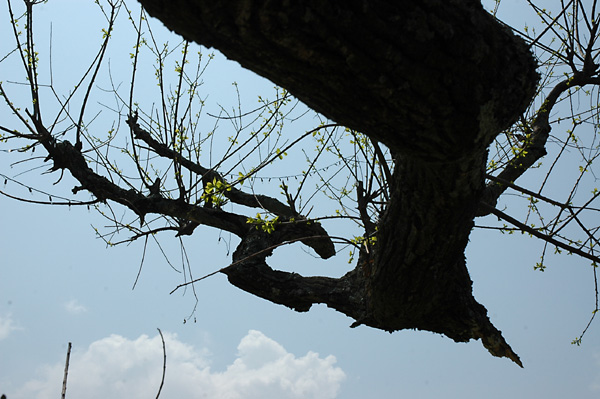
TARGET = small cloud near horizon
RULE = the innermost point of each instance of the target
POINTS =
(7, 326)
(74, 307)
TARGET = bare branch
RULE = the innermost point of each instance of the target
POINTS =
(164, 368)
(64, 385)
(538, 234)
(535, 146)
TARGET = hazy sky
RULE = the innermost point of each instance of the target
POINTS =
(60, 284)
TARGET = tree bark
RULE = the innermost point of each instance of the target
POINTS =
(433, 78)
(435, 81)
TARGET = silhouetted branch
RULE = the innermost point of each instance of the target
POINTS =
(538, 234)
(164, 369)
(64, 386)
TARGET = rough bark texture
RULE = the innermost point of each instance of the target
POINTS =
(383, 68)
(435, 81)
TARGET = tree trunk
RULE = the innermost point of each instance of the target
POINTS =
(435, 81)
(418, 277)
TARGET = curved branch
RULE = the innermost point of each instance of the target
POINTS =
(164, 367)
(266, 252)
(535, 146)
(250, 272)
(68, 203)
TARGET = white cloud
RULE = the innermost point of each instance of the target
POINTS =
(264, 369)
(7, 326)
(119, 368)
(74, 307)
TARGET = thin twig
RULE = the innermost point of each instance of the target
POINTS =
(64, 386)
(542, 236)
(74, 203)
(162, 380)
(500, 180)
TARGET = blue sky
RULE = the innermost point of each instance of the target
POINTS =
(60, 284)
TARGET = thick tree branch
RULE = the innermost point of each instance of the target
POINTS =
(322, 245)
(65, 156)
(433, 79)
(234, 194)
(250, 272)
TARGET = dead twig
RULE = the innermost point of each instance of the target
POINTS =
(162, 380)
(64, 386)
